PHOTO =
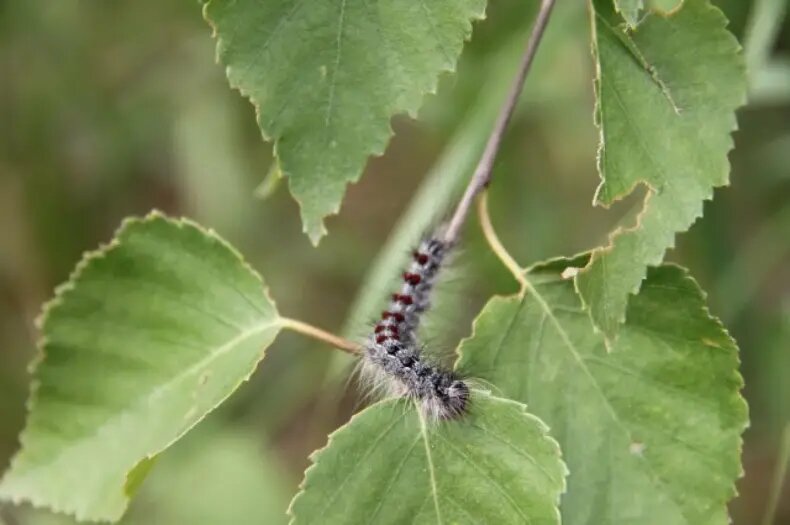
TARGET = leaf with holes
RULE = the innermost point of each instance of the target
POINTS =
(327, 76)
(651, 430)
(148, 336)
(666, 96)
(388, 465)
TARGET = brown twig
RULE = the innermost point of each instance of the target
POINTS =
(321, 335)
(482, 174)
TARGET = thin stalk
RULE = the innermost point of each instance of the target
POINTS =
(321, 335)
(482, 174)
(496, 245)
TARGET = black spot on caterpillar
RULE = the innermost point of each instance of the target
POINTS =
(393, 353)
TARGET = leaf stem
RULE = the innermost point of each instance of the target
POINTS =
(321, 335)
(779, 476)
(482, 174)
(496, 245)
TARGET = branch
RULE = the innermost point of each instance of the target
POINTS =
(321, 335)
(482, 174)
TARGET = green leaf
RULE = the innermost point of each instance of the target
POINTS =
(327, 76)
(666, 97)
(651, 429)
(629, 9)
(150, 334)
(388, 465)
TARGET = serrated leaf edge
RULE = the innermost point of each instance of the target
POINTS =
(620, 230)
(736, 400)
(88, 258)
(376, 151)
(315, 456)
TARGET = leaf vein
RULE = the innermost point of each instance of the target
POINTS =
(431, 469)
(496, 484)
(338, 54)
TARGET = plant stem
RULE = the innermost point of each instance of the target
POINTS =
(321, 335)
(482, 174)
(496, 245)
(779, 477)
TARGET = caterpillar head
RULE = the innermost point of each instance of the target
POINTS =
(449, 401)
(457, 398)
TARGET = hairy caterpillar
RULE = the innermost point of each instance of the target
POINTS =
(394, 353)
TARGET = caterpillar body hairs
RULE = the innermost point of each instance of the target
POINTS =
(393, 351)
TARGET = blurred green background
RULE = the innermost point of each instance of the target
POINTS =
(110, 108)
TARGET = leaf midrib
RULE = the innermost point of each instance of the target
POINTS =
(431, 469)
(160, 390)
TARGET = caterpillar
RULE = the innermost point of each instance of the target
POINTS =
(402, 318)
(393, 351)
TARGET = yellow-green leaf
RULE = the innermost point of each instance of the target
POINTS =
(150, 334)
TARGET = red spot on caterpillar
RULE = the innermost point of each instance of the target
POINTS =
(403, 299)
(412, 278)
(421, 258)
(441, 394)
(394, 315)
(381, 327)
